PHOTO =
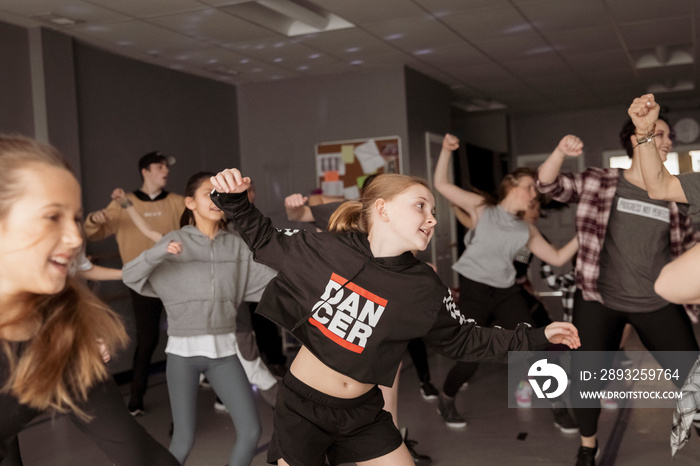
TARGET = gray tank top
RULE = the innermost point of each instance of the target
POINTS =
(492, 247)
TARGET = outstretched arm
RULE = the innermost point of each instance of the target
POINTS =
(119, 196)
(678, 281)
(466, 200)
(541, 248)
(569, 145)
(99, 273)
(660, 184)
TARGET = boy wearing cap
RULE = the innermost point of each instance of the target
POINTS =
(162, 210)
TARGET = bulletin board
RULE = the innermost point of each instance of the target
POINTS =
(342, 166)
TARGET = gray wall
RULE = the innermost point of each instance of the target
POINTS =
(127, 108)
(540, 133)
(598, 128)
(16, 114)
(428, 109)
(281, 122)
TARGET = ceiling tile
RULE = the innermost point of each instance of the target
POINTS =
(649, 34)
(348, 43)
(478, 74)
(592, 39)
(276, 50)
(489, 25)
(455, 56)
(142, 9)
(447, 7)
(605, 60)
(138, 35)
(549, 64)
(373, 11)
(213, 26)
(73, 9)
(416, 35)
(625, 11)
(515, 48)
(557, 16)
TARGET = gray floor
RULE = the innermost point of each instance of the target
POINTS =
(496, 435)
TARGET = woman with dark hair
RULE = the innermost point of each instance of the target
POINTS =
(625, 238)
(50, 324)
(488, 291)
(354, 297)
(202, 272)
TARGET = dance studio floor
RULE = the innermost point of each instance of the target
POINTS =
(496, 434)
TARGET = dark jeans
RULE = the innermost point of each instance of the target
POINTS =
(600, 329)
(147, 313)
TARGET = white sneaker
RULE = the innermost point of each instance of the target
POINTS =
(608, 403)
(219, 406)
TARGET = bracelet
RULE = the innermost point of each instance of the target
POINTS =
(645, 137)
(126, 204)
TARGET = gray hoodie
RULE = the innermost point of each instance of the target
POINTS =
(201, 287)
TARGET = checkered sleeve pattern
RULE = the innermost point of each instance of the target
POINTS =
(686, 407)
(565, 283)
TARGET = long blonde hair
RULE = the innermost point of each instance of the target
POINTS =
(356, 215)
(62, 361)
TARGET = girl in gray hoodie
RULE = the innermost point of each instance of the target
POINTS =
(202, 272)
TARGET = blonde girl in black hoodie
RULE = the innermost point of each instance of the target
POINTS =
(354, 299)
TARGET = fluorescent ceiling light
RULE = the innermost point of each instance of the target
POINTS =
(288, 17)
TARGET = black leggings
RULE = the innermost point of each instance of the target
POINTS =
(486, 304)
(600, 329)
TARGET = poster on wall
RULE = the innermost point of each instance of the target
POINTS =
(342, 166)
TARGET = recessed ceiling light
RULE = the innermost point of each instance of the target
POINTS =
(423, 52)
(278, 60)
(352, 49)
(302, 68)
(394, 36)
(245, 60)
(356, 62)
(58, 20)
(314, 55)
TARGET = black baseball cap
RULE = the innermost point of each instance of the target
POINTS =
(155, 157)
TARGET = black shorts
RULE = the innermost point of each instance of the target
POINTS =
(310, 425)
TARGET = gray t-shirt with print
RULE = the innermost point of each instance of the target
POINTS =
(637, 246)
(690, 182)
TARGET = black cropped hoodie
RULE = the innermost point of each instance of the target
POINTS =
(356, 312)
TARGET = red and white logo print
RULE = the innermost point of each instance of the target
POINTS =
(347, 314)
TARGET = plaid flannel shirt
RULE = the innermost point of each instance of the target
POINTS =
(686, 407)
(594, 191)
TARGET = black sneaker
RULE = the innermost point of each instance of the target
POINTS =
(586, 456)
(450, 415)
(563, 421)
(428, 391)
(422, 460)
